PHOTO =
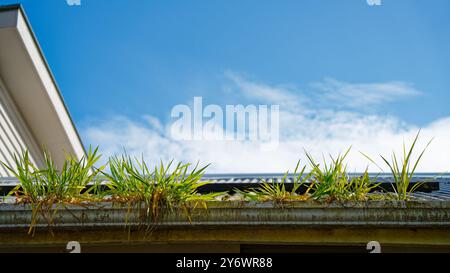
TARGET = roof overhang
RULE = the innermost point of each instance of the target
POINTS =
(33, 88)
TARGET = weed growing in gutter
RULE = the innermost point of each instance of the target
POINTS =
(276, 191)
(50, 186)
(403, 171)
(154, 192)
(332, 182)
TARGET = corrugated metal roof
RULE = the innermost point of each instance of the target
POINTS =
(437, 188)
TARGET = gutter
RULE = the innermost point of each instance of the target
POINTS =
(100, 216)
(232, 226)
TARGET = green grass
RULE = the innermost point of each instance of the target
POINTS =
(43, 188)
(403, 169)
(358, 188)
(154, 192)
(276, 191)
(332, 182)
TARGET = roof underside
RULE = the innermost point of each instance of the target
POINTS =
(31, 86)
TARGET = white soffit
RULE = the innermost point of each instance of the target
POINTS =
(32, 87)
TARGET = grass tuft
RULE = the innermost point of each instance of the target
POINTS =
(44, 188)
(154, 192)
(332, 182)
(276, 191)
(403, 170)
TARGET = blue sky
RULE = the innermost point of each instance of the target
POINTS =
(134, 59)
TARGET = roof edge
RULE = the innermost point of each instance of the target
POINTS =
(21, 9)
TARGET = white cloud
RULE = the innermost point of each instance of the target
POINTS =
(265, 93)
(319, 131)
(362, 95)
(329, 92)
